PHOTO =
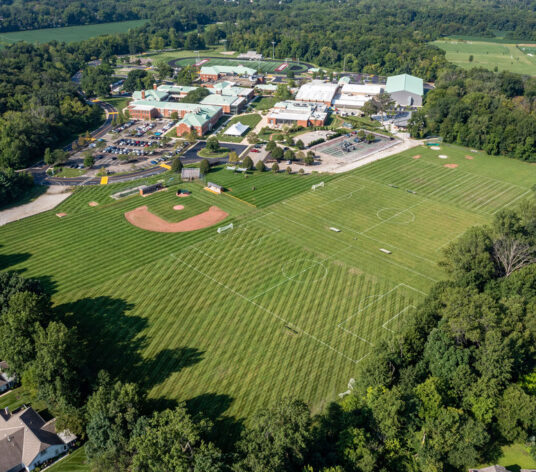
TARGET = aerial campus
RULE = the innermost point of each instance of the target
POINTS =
(233, 244)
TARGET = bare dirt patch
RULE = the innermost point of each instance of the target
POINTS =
(178, 207)
(467, 156)
(93, 204)
(144, 219)
(417, 156)
(451, 166)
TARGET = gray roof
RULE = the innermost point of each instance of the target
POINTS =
(23, 435)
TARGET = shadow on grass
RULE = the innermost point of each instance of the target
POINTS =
(227, 429)
(115, 340)
(9, 260)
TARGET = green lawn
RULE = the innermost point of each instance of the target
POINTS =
(488, 55)
(515, 458)
(74, 462)
(264, 103)
(251, 120)
(280, 305)
(69, 34)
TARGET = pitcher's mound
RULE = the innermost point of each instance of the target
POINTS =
(144, 219)
(178, 207)
(451, 166)
(93, 204)
(467, 156)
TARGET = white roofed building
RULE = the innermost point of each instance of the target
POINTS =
(317, 91)
(356, 95)
(238, 129)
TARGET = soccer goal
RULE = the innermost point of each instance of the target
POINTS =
(221, 229)
(315, 186)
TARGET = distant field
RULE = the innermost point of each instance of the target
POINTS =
(69, 34)
(488, 55)
(280, 305)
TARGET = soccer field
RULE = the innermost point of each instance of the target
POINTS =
(489, 55)
(265, 66)
(280, 305)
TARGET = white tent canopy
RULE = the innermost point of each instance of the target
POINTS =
(238, 129)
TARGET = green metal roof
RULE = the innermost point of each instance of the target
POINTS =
(406, 83)
(152, 95)
(197, 118)
(176, 88)
(178, 106)
(218, 100)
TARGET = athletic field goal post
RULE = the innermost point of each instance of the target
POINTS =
(221, 229)
(315, 186)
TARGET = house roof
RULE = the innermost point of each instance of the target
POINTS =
(238, 129)
(23, 435)
(405, 83)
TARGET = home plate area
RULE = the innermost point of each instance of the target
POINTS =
(310, 294)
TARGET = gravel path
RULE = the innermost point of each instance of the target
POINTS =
(49, 200)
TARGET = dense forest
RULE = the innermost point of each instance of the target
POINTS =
(444, 395)
(39, 105)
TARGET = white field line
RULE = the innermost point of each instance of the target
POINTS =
(512, 201)
(365, 251)
(391, 217)
(461, 181)
(288, 279)
(366, 306)
(344, 197)
(396, 316)
(414, 289)
(202, 252)
(477, 194)
(486, 202)
(355, 335)
(367, 236)
(268, 311)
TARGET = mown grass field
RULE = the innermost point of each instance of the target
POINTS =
(278, 306)
(489, 55)
(69, 34)
(267, 66)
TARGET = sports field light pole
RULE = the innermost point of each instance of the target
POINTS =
(197, 54)
(225, 42)
(273, 49)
